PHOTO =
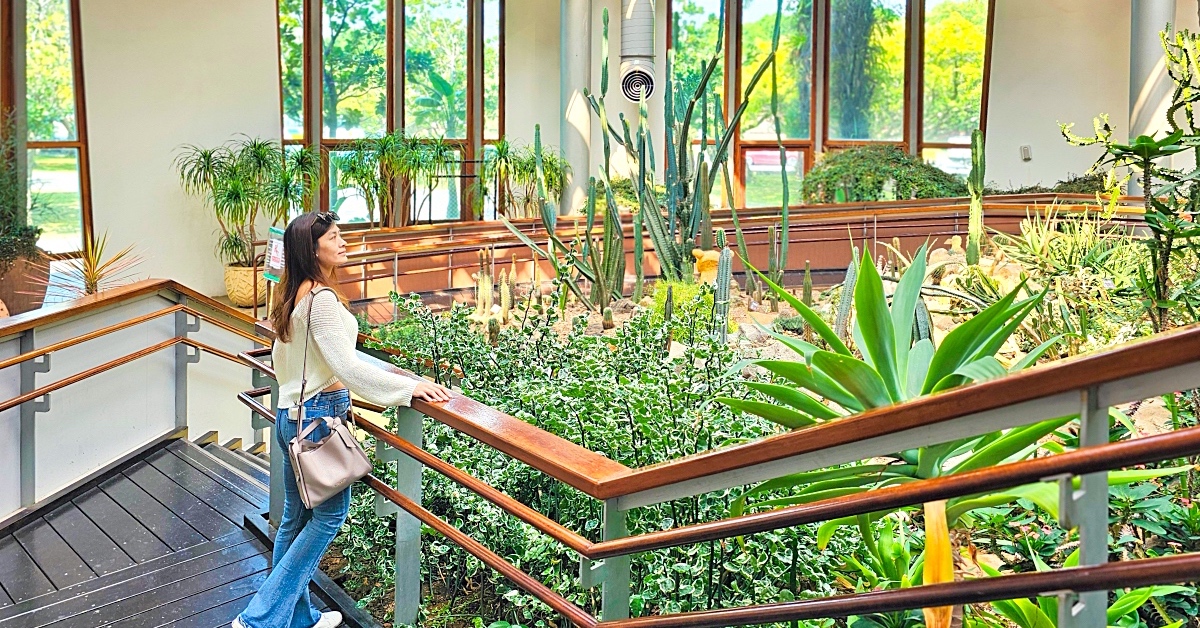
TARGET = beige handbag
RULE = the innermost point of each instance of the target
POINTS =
(326, 468)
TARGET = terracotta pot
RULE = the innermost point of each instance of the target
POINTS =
(239, 286)
(23, 288)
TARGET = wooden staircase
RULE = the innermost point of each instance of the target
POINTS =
(174, 537)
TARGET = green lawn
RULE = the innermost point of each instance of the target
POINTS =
(764, 189)
(57, 213)
(60, 163)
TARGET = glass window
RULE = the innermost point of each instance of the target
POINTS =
(291, 51)
(866, 70)
(952, 160)
(344, 198)
(694, 33)
(442, 200)
(435, 68)
(764, 185)
(355, 59)
(55, 203)
(50, 93)
(794, 73)
(492, 75)
(955, 41)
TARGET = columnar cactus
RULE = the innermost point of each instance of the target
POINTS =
(975, 189)
(506, 296)
(493, 331)
(775, 264)
(807, 298)
(847, 297)
(608, 318)
(722, 239)
(721, 293)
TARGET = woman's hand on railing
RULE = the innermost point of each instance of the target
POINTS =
(429, 391)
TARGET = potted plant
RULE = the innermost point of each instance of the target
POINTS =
(18, 240)
(243, 182)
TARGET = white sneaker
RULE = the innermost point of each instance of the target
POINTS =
(329, 619)
(237, 623)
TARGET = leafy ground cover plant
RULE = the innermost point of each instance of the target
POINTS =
(619, 395)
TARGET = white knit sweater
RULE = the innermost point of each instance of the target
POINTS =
(332, 357)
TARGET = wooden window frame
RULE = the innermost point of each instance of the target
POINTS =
(470, 146)
(912, 135)
(9, 94)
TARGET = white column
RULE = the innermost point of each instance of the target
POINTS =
(1149, 85)
(575, 76)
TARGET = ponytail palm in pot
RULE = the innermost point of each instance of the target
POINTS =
(243, 183)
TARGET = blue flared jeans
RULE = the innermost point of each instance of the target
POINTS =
(303, 535)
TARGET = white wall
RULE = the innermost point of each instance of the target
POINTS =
(1054, 61)
(531, 65)
(159, 75)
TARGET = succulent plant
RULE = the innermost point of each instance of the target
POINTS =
(608, 318)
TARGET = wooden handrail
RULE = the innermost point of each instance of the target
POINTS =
(1108, 457)
(384, 249)
(540, 522)
(1080, 579)
(527, 583)
(82, 375)
(1118, 575)
(1143, 357)
(557, 457)
(75, 308)
(104, 331)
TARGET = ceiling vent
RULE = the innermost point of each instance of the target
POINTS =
(637, 49)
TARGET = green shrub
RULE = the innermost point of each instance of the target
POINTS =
(864, 170)
(617, 395)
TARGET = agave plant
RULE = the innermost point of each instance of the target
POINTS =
(897, 365)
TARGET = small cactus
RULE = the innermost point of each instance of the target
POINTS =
(722, 239)
(721, 293)
(493, 331)
(608, 318)
(506, 297)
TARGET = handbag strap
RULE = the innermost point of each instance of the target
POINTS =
(312, 296)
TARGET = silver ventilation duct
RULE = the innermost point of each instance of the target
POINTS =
(637, 49)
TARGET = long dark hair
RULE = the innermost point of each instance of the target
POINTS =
(300, 265)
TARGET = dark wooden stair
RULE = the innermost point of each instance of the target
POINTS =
(174, 537)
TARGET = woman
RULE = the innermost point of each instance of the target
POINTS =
(313, 248)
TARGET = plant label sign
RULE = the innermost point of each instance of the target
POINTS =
(274, 265)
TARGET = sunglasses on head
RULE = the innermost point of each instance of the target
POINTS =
(327, 217)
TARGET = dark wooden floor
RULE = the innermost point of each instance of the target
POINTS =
(160, 541)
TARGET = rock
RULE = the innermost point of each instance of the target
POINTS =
(678, 350)
(1152, 417)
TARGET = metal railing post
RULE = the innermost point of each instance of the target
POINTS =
(264, 431)
(614, 593)
(409, 426)
(183, 357)
(1087, 508)
(29, 410)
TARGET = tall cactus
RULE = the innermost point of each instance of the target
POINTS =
(846, 299)
(721, 293)
(807, 298)
(975, 189)
(678, 222)
(776, 264)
